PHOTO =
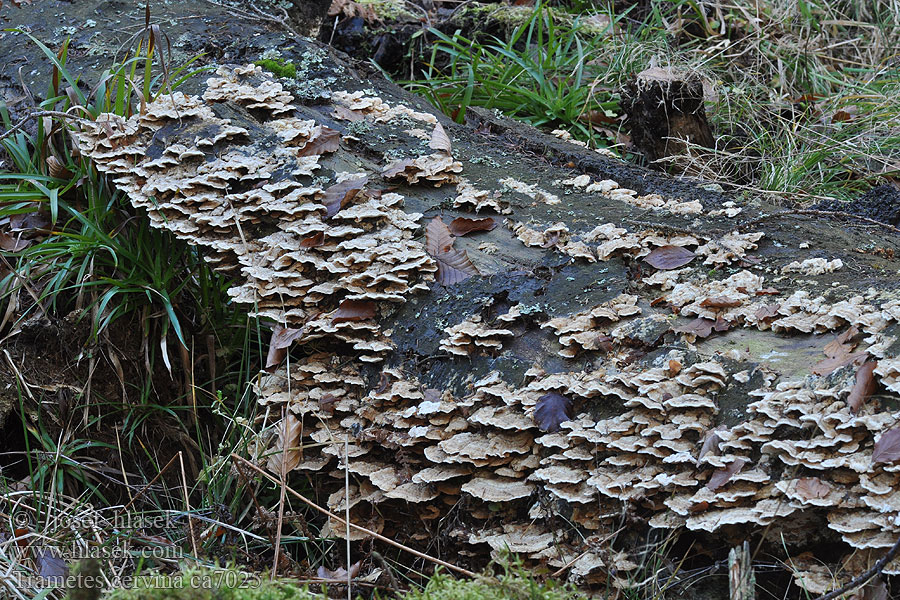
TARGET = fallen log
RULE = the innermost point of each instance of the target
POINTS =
(613, 344)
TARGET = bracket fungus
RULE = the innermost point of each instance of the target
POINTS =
(274, 197)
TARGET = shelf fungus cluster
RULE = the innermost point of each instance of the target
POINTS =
(801, 449)
(232, 172)
(272, 196)
(612, 190)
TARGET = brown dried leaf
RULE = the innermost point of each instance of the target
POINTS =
(864, 386)
(460, 226)
(13, 244)
(340, 573)
(453, 265)
(326, 404)
(328, 140)
(282, 338)
(887, 448)
(769, 291)
(354, 310)
(551, 410)
(313, 241)
(341, 194)
(811, 488)
(711, 441)
(721, 476)
(702, 328)
(666, 258)
(839, 353)
(439, 140)
(288, 447)
(768, 311)
(720, 302)
(674, 368)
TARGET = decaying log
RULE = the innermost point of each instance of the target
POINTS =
(620, 345)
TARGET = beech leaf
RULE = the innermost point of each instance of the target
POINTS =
(702, 328)
(453, 265)
(341, 194)
(396, 169)
(282, 338)
(551, 410)
(354, 310)
(666, 258)
(721, 476)
(720, 302)
(460, 226)
(864, 386)
(327, 140)
(313, 241)
(439, 140)
(288, 447)
(811, 488)
(887, 448)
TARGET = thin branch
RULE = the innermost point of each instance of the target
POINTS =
(40, 113)
(861, 579)
(331, 515)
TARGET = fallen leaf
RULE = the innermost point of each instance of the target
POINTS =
(551, 410)
(281, 340)
(711, 441)
(12, 244)
(327, 140)
(313, 241)
(326, 404)
(354, 310)
(460, 226)
(864, 386)
(720, 302)
(840, 353)
(721, 476)
(811, 488)
(439, 140)
(769, 291)
(887, 448)
(767, 312)
(453, 265)
(704, 327)
(339, 573)
(341, 194)
(666, 258)
(288, 449)
(674, 368)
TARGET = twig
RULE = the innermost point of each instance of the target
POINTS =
(377, 536)
(816, 213)
(40, 113)
(864, 577)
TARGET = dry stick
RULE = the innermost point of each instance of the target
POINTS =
(347, 507)
(377, 536)
(40, 113)
(187, 505)
(283, 474)
(864, 577)
(816, 213)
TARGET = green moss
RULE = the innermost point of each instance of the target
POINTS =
(279, 67)
(513, 585)
(209, 584)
